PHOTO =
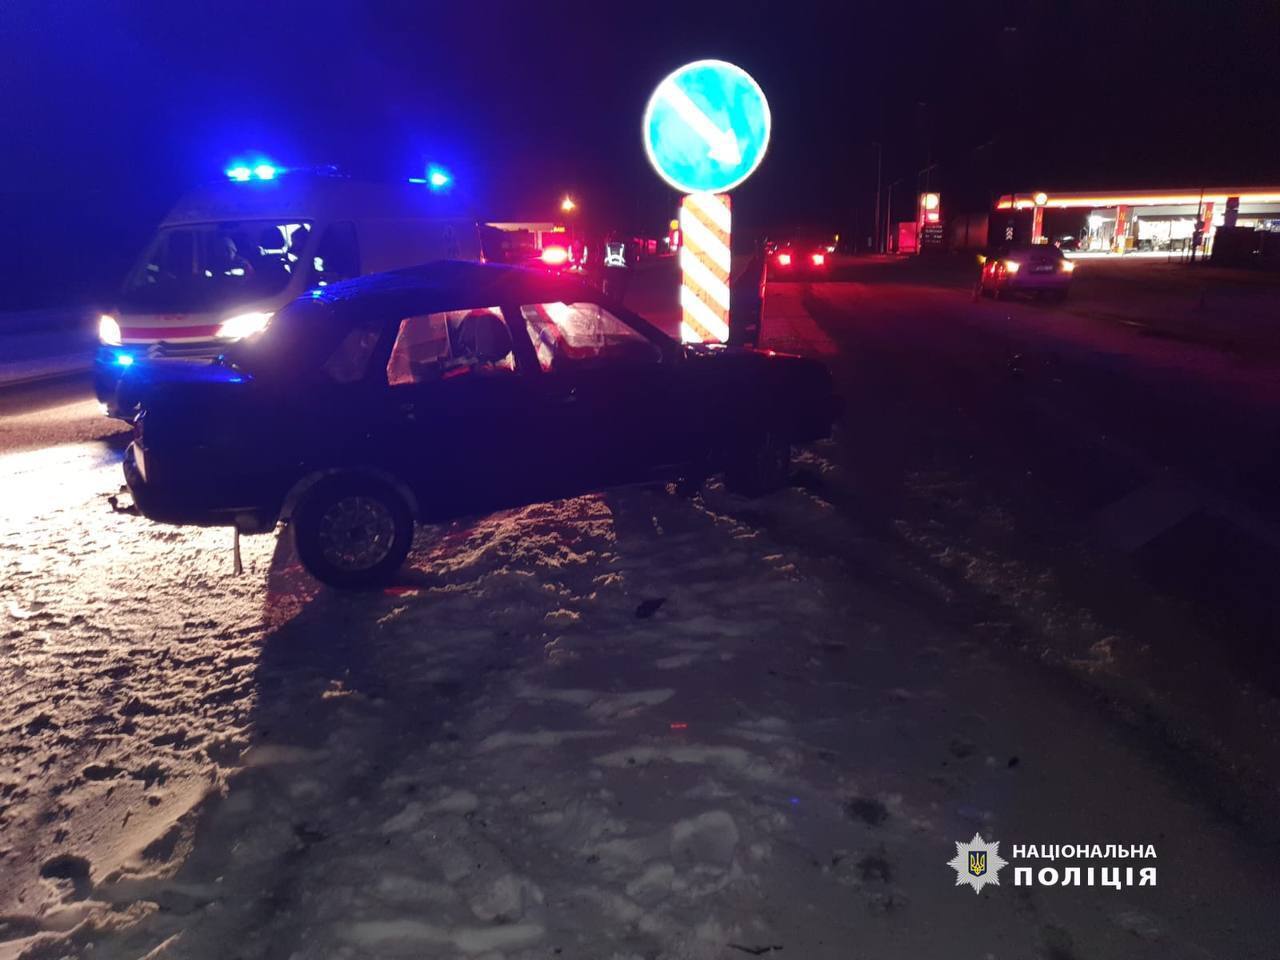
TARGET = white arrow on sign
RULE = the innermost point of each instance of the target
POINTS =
(723, 144)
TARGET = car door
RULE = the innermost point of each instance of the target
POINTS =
(608, 396)
(460, 411)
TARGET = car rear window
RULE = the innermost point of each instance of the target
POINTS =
(570, 333)
(1041, 252)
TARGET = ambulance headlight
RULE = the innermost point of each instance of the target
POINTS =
(109, 330)
(243, 325)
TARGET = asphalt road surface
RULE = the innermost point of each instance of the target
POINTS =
(1027, 591)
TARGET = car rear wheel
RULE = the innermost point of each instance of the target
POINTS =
(352, 531)
(761, 468)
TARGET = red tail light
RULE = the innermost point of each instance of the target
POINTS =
(555, 256)
(819, 259)
(784, 259)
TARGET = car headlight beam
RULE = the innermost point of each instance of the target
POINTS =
(109, 330)
(244, 325)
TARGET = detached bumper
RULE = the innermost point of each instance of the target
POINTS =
(166, 498)
(150, 500)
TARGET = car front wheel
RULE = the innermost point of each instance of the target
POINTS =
(352, 532)
(761, 468)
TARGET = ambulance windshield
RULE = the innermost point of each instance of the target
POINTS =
(211, 266)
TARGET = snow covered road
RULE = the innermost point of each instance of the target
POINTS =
(628, 725)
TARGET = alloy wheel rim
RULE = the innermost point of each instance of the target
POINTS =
(356, 533)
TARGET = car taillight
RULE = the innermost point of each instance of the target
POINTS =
(555, 256)
(784, 259)
(819, 259)
(1068, 266)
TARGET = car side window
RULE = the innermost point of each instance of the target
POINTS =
(437, 346)
(568, 334)
(350, 359)
(337, 255)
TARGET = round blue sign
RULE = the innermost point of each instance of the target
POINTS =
(706, 127)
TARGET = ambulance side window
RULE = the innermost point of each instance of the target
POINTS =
(337, 255)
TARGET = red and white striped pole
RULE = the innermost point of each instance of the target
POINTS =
(704, 267)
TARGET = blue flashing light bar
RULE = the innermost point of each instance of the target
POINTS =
(257, 170)
(124, 359)
(438, 178)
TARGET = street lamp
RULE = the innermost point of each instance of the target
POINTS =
(567, 205)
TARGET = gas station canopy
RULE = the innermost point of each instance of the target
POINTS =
(1159, 221)
(1138, 198)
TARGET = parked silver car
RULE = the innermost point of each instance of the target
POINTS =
(1039, 269)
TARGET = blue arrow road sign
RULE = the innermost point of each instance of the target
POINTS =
(706, 127)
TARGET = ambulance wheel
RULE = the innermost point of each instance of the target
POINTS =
(352, 531)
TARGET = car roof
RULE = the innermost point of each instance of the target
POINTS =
(449, 285)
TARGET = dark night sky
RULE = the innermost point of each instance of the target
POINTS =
(111, 109)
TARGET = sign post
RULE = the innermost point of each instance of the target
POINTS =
(929, 235)
(706, 129)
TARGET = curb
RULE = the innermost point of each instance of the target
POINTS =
(79, 368)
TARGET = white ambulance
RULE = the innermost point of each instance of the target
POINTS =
(232, 253)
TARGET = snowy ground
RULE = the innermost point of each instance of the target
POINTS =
(623, 726)
(626, 725)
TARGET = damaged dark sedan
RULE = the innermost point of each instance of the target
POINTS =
(451, 389)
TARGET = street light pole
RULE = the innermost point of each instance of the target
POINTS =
(888, 213)
(875, 229)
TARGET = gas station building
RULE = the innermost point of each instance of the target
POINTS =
(1153, 222)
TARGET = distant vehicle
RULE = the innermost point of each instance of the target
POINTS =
(232, 253)
(1039, 269)
(554, 256)
(1067, 243)
(799, 256)
(446, 390)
